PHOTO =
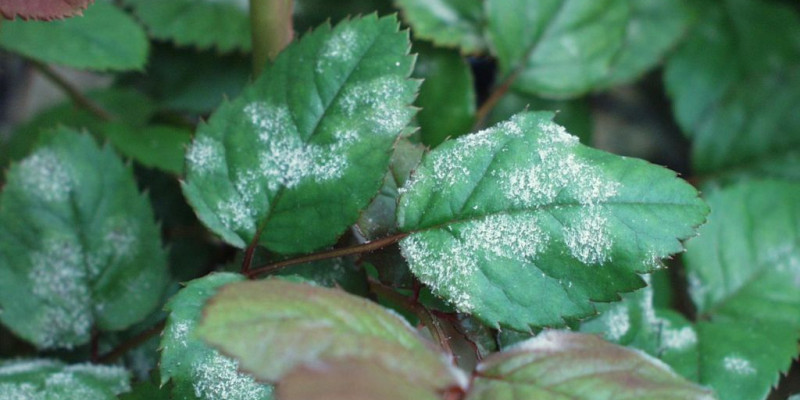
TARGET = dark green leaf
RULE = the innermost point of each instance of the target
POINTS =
(568, 47)
(448, 23)
(274, 326)
(196, 370)
(379, 219)
(104, 38)
(128, 105)
(157, 146)
(522, 226)
(637, 322)
(565, 365)
(335, 272)
(447, 96)
(50, 379)
(78, 243)
(222, 24)
(295, 157)
(744, 274)
(742, 360)
(735, 88)
(746, 261)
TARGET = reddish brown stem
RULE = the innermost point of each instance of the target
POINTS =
(131, 344)
(491, 102)
(335, 253)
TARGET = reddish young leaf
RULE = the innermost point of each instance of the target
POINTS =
(42, 9)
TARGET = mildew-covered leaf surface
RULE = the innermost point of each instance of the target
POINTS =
(735, 88)
(222, 24)
(196, 370)
(104, 38)
(448, 23)
(46, 379)
(565, 365)
(292, 325)
(295, 157)
(79, 247)
(523, 226)
(569, 47)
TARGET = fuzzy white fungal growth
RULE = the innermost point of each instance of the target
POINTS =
(206, 156)
(617, 323)
(46, 177)
(217, 377)
(588, 239)
(19, 391)
(24, 366)
(338, 49)
(678, 339)
(286, 160)
(60, 283)
(738, 365)
(376, 102)
(452, 272)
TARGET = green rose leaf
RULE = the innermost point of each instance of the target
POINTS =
(637, 322)
(157, 146)
(222, 24)
(196, 370)
(302, 150)
(448, 23)
(743, 271)
(104, 38)
(565, 48)
(78, 243)
(129, 106)
(735, 88)
(447, 96)
(274, 326)
(522, 226)
(558, 365)
(52, 380)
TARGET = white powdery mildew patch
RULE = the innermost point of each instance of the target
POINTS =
(217, 377)
(617, 323)
(338, 49)
(65, 383)
(119, 242)
(738, 365)
(106, 373)
(451, 272)
(19, 391)
(446, 273)
(678, 339)
(588, 239)
(377, 102)
(205, 156)
(559, 172)
(236, 214)
(46, 176)
(24, 366)
(286, 160)
(59, 279)
(669, 338)
(452, 167)
(243, 5)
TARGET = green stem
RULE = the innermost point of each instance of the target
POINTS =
(271, 24)
(335, 253)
